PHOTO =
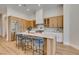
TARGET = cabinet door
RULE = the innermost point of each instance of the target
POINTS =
(53, 22)
(60, 21)
(31, 23)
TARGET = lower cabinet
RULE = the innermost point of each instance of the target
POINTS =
(59, 37)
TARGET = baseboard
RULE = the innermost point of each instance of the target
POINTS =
(74, 46)
(65, 43)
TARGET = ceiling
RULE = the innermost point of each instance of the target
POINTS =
(23, 9)
(33, 7)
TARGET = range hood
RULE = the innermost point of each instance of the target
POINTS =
(39, 17)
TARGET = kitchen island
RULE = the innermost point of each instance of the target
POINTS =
(50, 41)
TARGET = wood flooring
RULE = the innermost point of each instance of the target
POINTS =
(9, 48)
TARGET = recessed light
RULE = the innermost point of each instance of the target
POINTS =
(28, 9)
(20, 5)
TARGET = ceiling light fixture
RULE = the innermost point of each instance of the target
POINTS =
(20, 5)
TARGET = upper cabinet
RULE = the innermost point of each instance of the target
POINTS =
(32, 23)
(60, 21)
(54, 22)
(23, 23)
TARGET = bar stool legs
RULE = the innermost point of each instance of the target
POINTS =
(19, 40)
(29, 43)
(38, 46)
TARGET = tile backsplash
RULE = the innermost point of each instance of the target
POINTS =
(54, 29)
(49, 30)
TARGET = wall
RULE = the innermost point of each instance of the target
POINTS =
(54, 11)
(74, 28)
(71, 28)
(66, 12)
(3, 11)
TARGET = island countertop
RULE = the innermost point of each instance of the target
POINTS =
(50, 36)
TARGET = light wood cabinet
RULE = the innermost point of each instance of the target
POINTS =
(54, 22)
(32, 23)
(60, 21)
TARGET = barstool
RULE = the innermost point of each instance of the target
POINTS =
(38, 46)
(27, 43)
(19, 38)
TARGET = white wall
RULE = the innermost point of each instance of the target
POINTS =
(71, 28)
(74, 22)
(54, 11)
(66, 9)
